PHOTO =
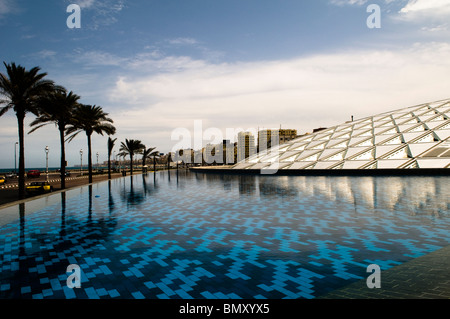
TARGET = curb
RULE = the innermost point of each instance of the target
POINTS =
(50, 181)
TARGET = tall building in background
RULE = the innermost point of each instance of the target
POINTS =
(228, 152)
(270, 138)
(416, 137)
(245, 146)
(222, 153)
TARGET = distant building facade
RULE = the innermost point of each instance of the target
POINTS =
(270, 138)
(222, 153)
(246, 146)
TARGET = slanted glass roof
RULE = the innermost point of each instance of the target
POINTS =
(414, 137)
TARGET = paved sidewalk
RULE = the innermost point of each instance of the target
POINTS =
(425, 277)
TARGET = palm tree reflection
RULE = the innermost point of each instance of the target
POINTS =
(110, 199)
(132, 197)
(22, 229)
(62, 232)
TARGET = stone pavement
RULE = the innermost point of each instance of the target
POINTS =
(425, 277)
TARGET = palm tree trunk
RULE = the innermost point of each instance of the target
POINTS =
(109, 166)
(89, 158)
(20, 118)
(63, 158)
(131, 164)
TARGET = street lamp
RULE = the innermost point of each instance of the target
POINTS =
(97, 160)
(81, 162)
(46, 163)
(15, 157)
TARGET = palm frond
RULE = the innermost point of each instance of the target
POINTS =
(72, 135)
(111, 143)
(36, 126)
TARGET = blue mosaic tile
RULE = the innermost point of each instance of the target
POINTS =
(91, 293)
(206, 237)
(25, 290)
(113, 293)
(101, 292)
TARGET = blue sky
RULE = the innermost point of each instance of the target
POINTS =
(159, 65)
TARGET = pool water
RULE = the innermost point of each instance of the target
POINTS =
(193, 235)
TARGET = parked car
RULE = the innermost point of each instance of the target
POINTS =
(39, 187)
(11, 175)
(2, 180)
(33, 173)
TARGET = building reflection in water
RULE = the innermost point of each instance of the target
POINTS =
(418, 195)
(285, 220)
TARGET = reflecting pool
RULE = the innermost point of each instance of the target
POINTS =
(195, 235)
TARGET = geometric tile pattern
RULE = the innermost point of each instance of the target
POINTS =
(414, 137)
(205, 236)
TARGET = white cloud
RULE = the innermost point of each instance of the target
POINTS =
(357, 2)
(349, 2)
(44, 54)
(182, 41)
(437, 28)
(97, 58)
(152, 94)
(303, 93)
(103, 12)
(425, 9)
(100, 5)
(7, 7)
(85, 4)
(425, 5)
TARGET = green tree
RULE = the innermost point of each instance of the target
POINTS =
(111, 143)
(148, 153)
(57, 107)
(90, 119)
(131, 148)
(20, 89)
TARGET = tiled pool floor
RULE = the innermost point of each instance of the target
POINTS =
(190, 235)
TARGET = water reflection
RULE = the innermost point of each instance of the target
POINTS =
(241, 221)
(421, 195)
(247, 185)
(418, 195)
(22, 229)
(62, 232)
(73, 229)
(110, 198)
(414, 195)
(132, 196)
(134, 193)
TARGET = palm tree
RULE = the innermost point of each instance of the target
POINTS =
(131, 147)
(90, 119)
(19, 90)
(111, 143)
(148, 153)
(57, 107)
(169, 158)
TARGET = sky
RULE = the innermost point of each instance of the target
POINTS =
(177, 73)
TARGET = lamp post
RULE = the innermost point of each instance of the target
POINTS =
(81, 162)
(46, 163)
(97, 161)
(15, 157)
